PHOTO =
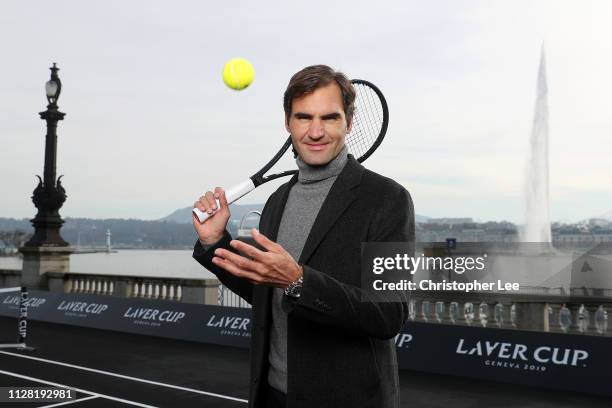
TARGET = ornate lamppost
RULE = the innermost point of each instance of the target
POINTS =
(49, 195)
(47, 251)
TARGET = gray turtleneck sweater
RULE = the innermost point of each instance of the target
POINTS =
(303, 204)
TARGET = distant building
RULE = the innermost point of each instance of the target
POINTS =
(581, 239)
(599, 222)
(108, 241)
(6, 249)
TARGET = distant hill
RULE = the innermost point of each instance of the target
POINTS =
(607, 216)
(171, 232)
(126, 233)
(183, 215)
(13, 224)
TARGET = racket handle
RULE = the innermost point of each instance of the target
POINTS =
(232, 194)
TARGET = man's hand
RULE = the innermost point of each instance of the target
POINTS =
(276, 267)
(211, 230)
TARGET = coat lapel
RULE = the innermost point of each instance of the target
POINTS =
(338, 199)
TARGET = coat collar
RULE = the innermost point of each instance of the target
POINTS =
(338, 199)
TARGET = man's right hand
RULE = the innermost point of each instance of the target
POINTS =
(211, 230)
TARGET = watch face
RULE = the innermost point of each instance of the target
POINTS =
(294, 289)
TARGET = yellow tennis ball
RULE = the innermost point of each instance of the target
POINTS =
(238, 73)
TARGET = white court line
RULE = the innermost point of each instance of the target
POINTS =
(15, 289)
(12, 345)
(70, 402)
(25, 377)
(126, 377)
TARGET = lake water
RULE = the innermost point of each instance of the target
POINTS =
(131, 262)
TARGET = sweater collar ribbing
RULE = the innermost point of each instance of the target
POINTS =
(312, 174)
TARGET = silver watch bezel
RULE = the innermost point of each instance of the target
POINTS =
(294, 288)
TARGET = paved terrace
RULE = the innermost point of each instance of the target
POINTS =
(114, 369)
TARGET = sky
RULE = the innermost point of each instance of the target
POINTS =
(150, 125)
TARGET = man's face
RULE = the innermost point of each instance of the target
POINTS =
(318, 125)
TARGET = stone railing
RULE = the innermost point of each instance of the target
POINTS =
(202, 291)
(581, 311)
(537, 309)
(229, 298)
(10, 278)
(533, 308)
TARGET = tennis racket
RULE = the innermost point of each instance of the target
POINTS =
(370, 120)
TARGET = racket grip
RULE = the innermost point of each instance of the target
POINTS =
(232, 194)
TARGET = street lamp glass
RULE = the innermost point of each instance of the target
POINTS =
(51, 89)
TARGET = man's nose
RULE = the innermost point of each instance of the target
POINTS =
(316, 130)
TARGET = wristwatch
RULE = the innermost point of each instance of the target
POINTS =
(294, 289)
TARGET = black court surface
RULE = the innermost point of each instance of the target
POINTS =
(111, 369)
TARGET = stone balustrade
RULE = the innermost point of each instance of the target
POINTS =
(537, 309)
(581, 311)
(202, 291)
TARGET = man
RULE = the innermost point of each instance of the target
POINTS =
(317, 340)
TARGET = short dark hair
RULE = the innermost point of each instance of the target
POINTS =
(316, 76)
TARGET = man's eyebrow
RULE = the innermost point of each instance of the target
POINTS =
(333, 115)
(302, 115)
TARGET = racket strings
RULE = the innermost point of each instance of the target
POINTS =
(367, 121)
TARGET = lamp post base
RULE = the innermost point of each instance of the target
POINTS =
(37, 261)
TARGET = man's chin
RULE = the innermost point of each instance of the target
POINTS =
(315, 160)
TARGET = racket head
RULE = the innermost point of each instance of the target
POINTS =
(370, 120)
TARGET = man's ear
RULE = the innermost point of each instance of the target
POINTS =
(287, 124)
(349, 127)
(293, 150)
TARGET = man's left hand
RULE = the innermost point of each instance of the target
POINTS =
(275, 266)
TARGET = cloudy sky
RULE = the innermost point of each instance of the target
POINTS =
(150, 125)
